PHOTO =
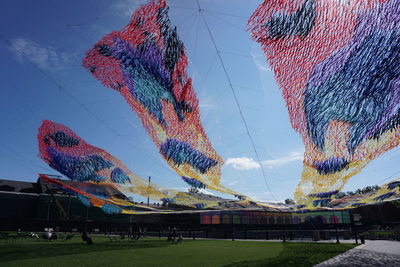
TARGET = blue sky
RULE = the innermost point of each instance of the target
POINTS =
(55, 35)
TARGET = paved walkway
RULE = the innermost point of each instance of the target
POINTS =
(372, 253)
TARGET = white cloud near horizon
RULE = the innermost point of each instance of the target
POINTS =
(245, 163)
(45, 57)
(242, 163)
(293, 156)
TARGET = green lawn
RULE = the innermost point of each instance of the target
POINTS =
(158, 252)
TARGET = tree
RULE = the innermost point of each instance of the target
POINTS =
(289, 201)
(359, 191)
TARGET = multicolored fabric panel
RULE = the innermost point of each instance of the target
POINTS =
(104, 196)
(146, 63)
(66, 152)
(111, 200)
(337, 63)
(387, 192)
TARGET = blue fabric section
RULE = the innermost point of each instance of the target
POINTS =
(62, 139)
(393, 185)
(147, 77)
(119, 176)
(199, 206)
(182, 152)
(331, 165)
(324, 194)
(193, 182)
(359, 92)
(110, 209)
(78, 168)
(298, 23)
(85, 201)
(384, 196)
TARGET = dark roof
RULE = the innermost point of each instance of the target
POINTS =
(19, 186)
(91, 188)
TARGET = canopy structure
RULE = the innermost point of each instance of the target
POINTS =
(387, 192)
(66, 152)
(337, 63)
(113, 201)
(147, 64)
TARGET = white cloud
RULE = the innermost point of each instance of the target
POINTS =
(126, 7)
(206, 105)
(261, 67)
(259, 60)
(293, 156)
(45, 57)
(243, 163)
(233, 183)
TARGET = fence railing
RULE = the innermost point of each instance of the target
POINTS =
(382, 235)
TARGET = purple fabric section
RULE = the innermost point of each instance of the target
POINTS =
(384, 17)
(150, 57)
(391, 110)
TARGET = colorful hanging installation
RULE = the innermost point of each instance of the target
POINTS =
(387, 192)
(112, 201)
(66, 152)
(337, 63)
(104, 196)
(146, 63)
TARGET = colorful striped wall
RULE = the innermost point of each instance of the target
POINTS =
(274, 218)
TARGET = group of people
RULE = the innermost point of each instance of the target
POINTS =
(48, 234)
(135, 234)
(172, 235)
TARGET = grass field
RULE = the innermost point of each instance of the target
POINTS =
(158, 252)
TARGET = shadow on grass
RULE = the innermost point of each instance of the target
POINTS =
(299, 254)
(31, 250)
